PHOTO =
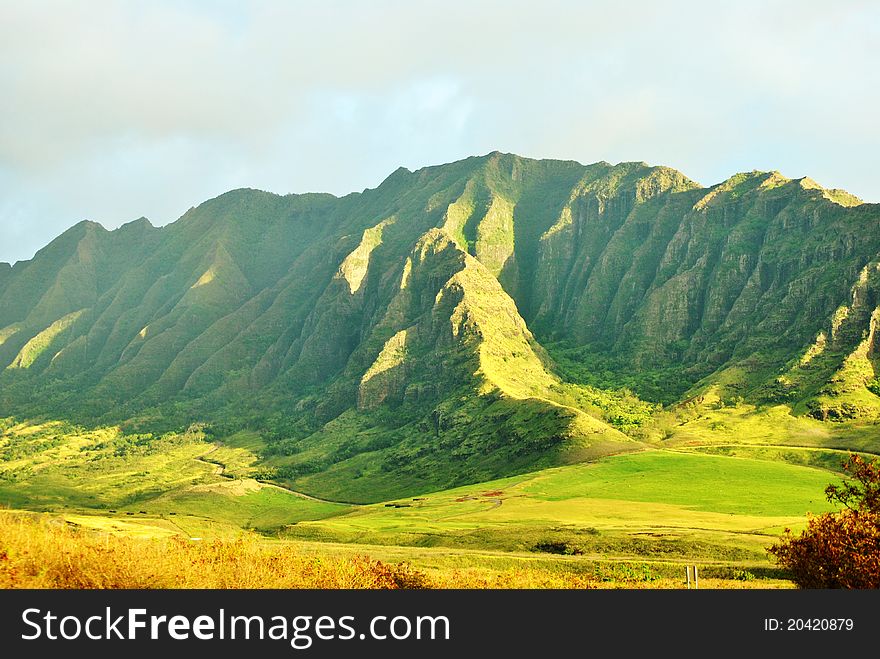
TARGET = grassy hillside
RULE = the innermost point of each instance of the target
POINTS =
(629, 519)
(655, 503)
(177, 480)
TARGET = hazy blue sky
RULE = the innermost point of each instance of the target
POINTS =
(110, 110)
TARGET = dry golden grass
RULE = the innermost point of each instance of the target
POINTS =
(42, 551)
(46, 552)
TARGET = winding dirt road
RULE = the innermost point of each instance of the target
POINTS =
(219, 470)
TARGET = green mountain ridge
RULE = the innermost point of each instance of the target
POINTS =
(456, 323)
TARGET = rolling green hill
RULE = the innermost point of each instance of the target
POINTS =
(459, 323)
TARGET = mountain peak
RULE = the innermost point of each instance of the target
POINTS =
(399, 174)
(89, 225)
(809, 184)
(840, 197)
(139, 222)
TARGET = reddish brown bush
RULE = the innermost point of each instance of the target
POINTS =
(862, 491)
(840, 550)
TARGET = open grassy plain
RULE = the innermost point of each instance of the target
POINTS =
(630, 520)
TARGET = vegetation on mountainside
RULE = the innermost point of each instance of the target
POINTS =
(56, 466)
(513, 372)
(393, 341)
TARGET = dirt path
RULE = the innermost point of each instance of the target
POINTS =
(700, 449)
(303, 495)
(220, 469)
(697, 448)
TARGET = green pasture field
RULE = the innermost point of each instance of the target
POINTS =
(635, 516)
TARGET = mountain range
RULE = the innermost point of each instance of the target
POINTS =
(457, 323)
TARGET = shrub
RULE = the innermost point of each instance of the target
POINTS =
(840, 550)
(558, 547)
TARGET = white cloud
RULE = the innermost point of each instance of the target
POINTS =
(115, 109)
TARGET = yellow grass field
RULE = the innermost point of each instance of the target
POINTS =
(46, 551)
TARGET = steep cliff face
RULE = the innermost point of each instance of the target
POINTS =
(414, 317)
(836, 377)
(701, 277)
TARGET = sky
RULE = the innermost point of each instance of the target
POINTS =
(111, 110)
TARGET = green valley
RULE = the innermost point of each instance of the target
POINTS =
(627, 519)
